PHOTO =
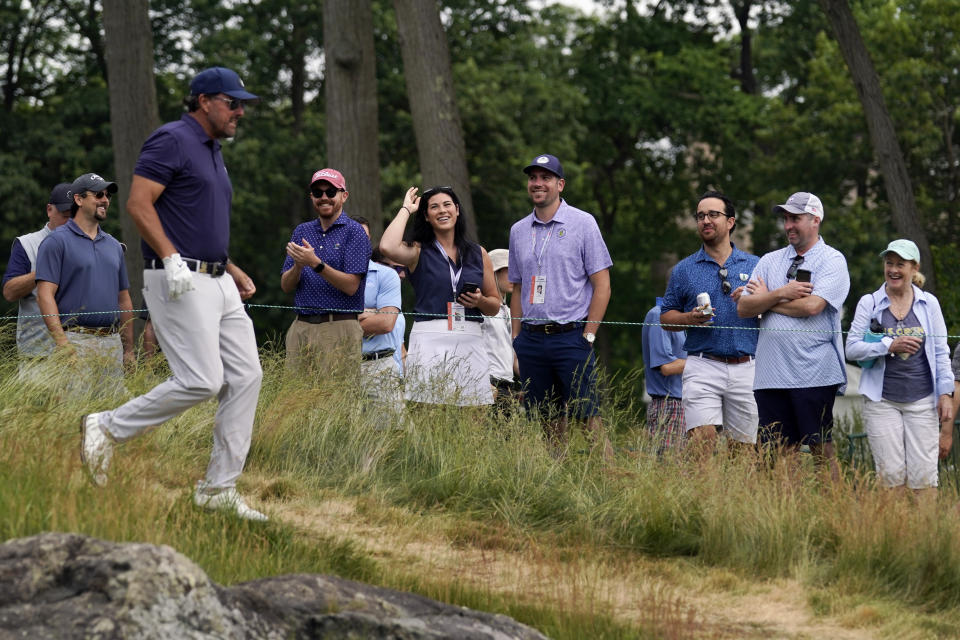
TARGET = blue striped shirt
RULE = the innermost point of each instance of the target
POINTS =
(794, 353)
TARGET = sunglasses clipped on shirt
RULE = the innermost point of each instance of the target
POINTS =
(725, 285)
(794, 267)
(317, 192)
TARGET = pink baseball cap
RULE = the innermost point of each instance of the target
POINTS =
(332, 176)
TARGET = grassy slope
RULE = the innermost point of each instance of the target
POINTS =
(855, 548)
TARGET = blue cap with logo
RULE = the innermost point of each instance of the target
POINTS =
(545, 161)
(220, 80)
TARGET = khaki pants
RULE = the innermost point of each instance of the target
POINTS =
(324, 347)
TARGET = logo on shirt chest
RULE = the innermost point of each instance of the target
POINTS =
(561, 234)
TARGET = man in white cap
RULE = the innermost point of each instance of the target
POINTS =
(800, 362)
(496, 334)
(19, 280)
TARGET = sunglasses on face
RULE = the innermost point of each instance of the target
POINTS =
(99, 195)
(232, 103)
(794, 266)
(317, 192)
(724, 284)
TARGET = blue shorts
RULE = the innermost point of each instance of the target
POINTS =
(559, 372)
(796, 416)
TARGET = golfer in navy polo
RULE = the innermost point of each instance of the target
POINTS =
(82, 285)
(180, 200)
(560, 269)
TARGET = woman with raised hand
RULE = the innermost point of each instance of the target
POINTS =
(899, 337)
(452, 277)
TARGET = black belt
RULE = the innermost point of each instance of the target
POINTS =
(320, 318)
(552, 327)
(377, 355)
(726, 359)
(92, 331)
(215, 269)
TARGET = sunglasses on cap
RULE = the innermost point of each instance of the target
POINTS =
(317, 192)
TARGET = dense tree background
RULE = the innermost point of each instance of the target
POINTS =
(647, 104)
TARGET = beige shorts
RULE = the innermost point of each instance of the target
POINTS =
(720, 394)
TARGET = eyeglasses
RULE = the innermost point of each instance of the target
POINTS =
(724, 284)
(700, 216)
(317, 192)
(232, 103)
(794, 267)
(100, 194)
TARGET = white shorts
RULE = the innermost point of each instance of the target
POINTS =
(448, 367)
(904, 440)
(720, 394)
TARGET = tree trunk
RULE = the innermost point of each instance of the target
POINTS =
(883, 135)
(133, 111)
(436, 118)
(350, 92)
(748, 81)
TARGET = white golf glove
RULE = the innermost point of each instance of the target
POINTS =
(179, 278)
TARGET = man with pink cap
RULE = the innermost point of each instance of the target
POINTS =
(325, 269)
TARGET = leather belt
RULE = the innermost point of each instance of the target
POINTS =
(726, 359)
(552, 327)
(215, 269)
(377, 355)
(320, 318)
(92, 331)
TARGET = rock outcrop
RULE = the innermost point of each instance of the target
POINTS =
(64, 586)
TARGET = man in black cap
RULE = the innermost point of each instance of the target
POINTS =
(82, 285)
(19, 281)
(180, 200)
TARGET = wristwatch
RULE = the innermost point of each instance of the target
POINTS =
(590, 337)
(320, 266)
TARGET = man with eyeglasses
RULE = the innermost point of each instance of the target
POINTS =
(20, 278)
(180, 200)
(720, 345)
(799, 289)
(82, 285)
(325, 268)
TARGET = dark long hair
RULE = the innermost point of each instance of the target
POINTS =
(422, 232)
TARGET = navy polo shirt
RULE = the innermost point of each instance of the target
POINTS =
(194, 207)
(345, 247)
(432, 282)
(88, 273)
(698, 274)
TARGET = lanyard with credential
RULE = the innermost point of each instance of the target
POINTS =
(454, 273)
(543, 247)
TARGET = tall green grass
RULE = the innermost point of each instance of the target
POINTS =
(319, 435)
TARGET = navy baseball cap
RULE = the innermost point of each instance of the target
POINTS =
(91, 182)
(60, 197)
(220, 80)
(545, 161)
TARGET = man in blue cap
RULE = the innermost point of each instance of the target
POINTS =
(82, 286)
(180, 200)
(560, 270)
(19, 281)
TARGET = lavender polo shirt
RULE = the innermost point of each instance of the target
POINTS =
(194, 207)
(88, 273)
(345, 247)
(570, 250)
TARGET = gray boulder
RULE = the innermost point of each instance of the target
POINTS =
(65, 586)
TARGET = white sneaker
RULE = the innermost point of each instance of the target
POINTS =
(227, 500)
(96, 449)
